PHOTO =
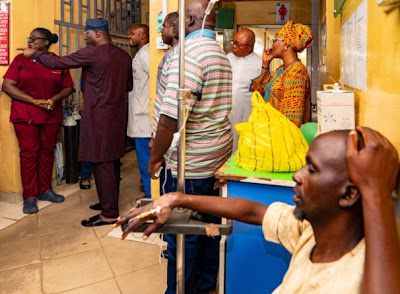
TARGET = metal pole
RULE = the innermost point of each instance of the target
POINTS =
(183, 94)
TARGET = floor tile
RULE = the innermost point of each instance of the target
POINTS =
(106, 287)
(68, 242)
(150, 280)
(21, 280)
(12, 211)
(153, 239)
(70, 201)
(66, 189)
(28, 226)
(103, 230)
(130, 256)
(19, 251)
(4, 223)
(78, 270)
(44, 204)
(62, 220)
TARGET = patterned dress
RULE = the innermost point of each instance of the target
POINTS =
(288, 91)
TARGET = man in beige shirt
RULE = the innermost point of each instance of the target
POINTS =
(341, 233)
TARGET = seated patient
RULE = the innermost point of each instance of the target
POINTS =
(341, 233)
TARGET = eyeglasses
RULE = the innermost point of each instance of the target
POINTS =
(33, 39)
(237, 44)
(277, 39)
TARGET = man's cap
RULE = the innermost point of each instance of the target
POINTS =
(96, 24)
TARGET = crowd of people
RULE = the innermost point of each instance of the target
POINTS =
(344, 216)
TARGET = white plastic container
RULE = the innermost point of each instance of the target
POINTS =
(335, 109)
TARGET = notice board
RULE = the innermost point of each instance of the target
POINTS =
(354, 49)
(4, 33)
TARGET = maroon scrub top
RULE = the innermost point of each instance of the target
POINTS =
(40, 83)
(107, 79)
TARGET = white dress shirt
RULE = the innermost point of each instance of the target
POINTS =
(244, 70)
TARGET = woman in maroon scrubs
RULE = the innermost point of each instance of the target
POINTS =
(36, 93)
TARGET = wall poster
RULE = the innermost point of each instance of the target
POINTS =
(354, 49)
(4, 33)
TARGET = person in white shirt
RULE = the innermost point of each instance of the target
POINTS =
(139, 126)
(246, 65)
(342, 231)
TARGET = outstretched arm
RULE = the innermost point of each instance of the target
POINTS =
(239, 209)
(80, 58)
(374, 170)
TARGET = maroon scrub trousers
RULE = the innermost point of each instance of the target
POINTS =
(36, 144)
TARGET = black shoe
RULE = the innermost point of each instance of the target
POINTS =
(30, 206)
(96, 206)
(96, 221)
(84, 184)
(51, 196)
(164, 254)
(162, 237)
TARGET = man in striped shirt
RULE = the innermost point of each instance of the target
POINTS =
(208, 75)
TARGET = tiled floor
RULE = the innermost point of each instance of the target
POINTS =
(50, 252)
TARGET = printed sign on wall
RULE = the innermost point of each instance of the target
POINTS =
(354, 48)
(282, 12)
(4, 29)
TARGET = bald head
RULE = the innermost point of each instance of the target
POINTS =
(330, 148)
(195, 13)
(247, 35)
(243, 43)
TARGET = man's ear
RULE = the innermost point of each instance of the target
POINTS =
(97, 34)
(191, 20)
(350, 197)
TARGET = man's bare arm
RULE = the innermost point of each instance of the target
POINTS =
(374, 170)
(166, 128)
(233, 208)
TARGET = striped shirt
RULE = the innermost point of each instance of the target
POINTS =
(208, 75)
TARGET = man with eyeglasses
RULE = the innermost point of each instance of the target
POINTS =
(107, 79)
(246, 65)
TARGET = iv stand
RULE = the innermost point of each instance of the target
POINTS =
(183, 94)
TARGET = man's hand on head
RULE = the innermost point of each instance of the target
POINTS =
(376, 166)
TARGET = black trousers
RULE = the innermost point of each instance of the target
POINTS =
(107, 177)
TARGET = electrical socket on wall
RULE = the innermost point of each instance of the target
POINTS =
(160, 44)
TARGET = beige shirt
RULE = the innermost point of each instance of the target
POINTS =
(139, 125)
(341, 276)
